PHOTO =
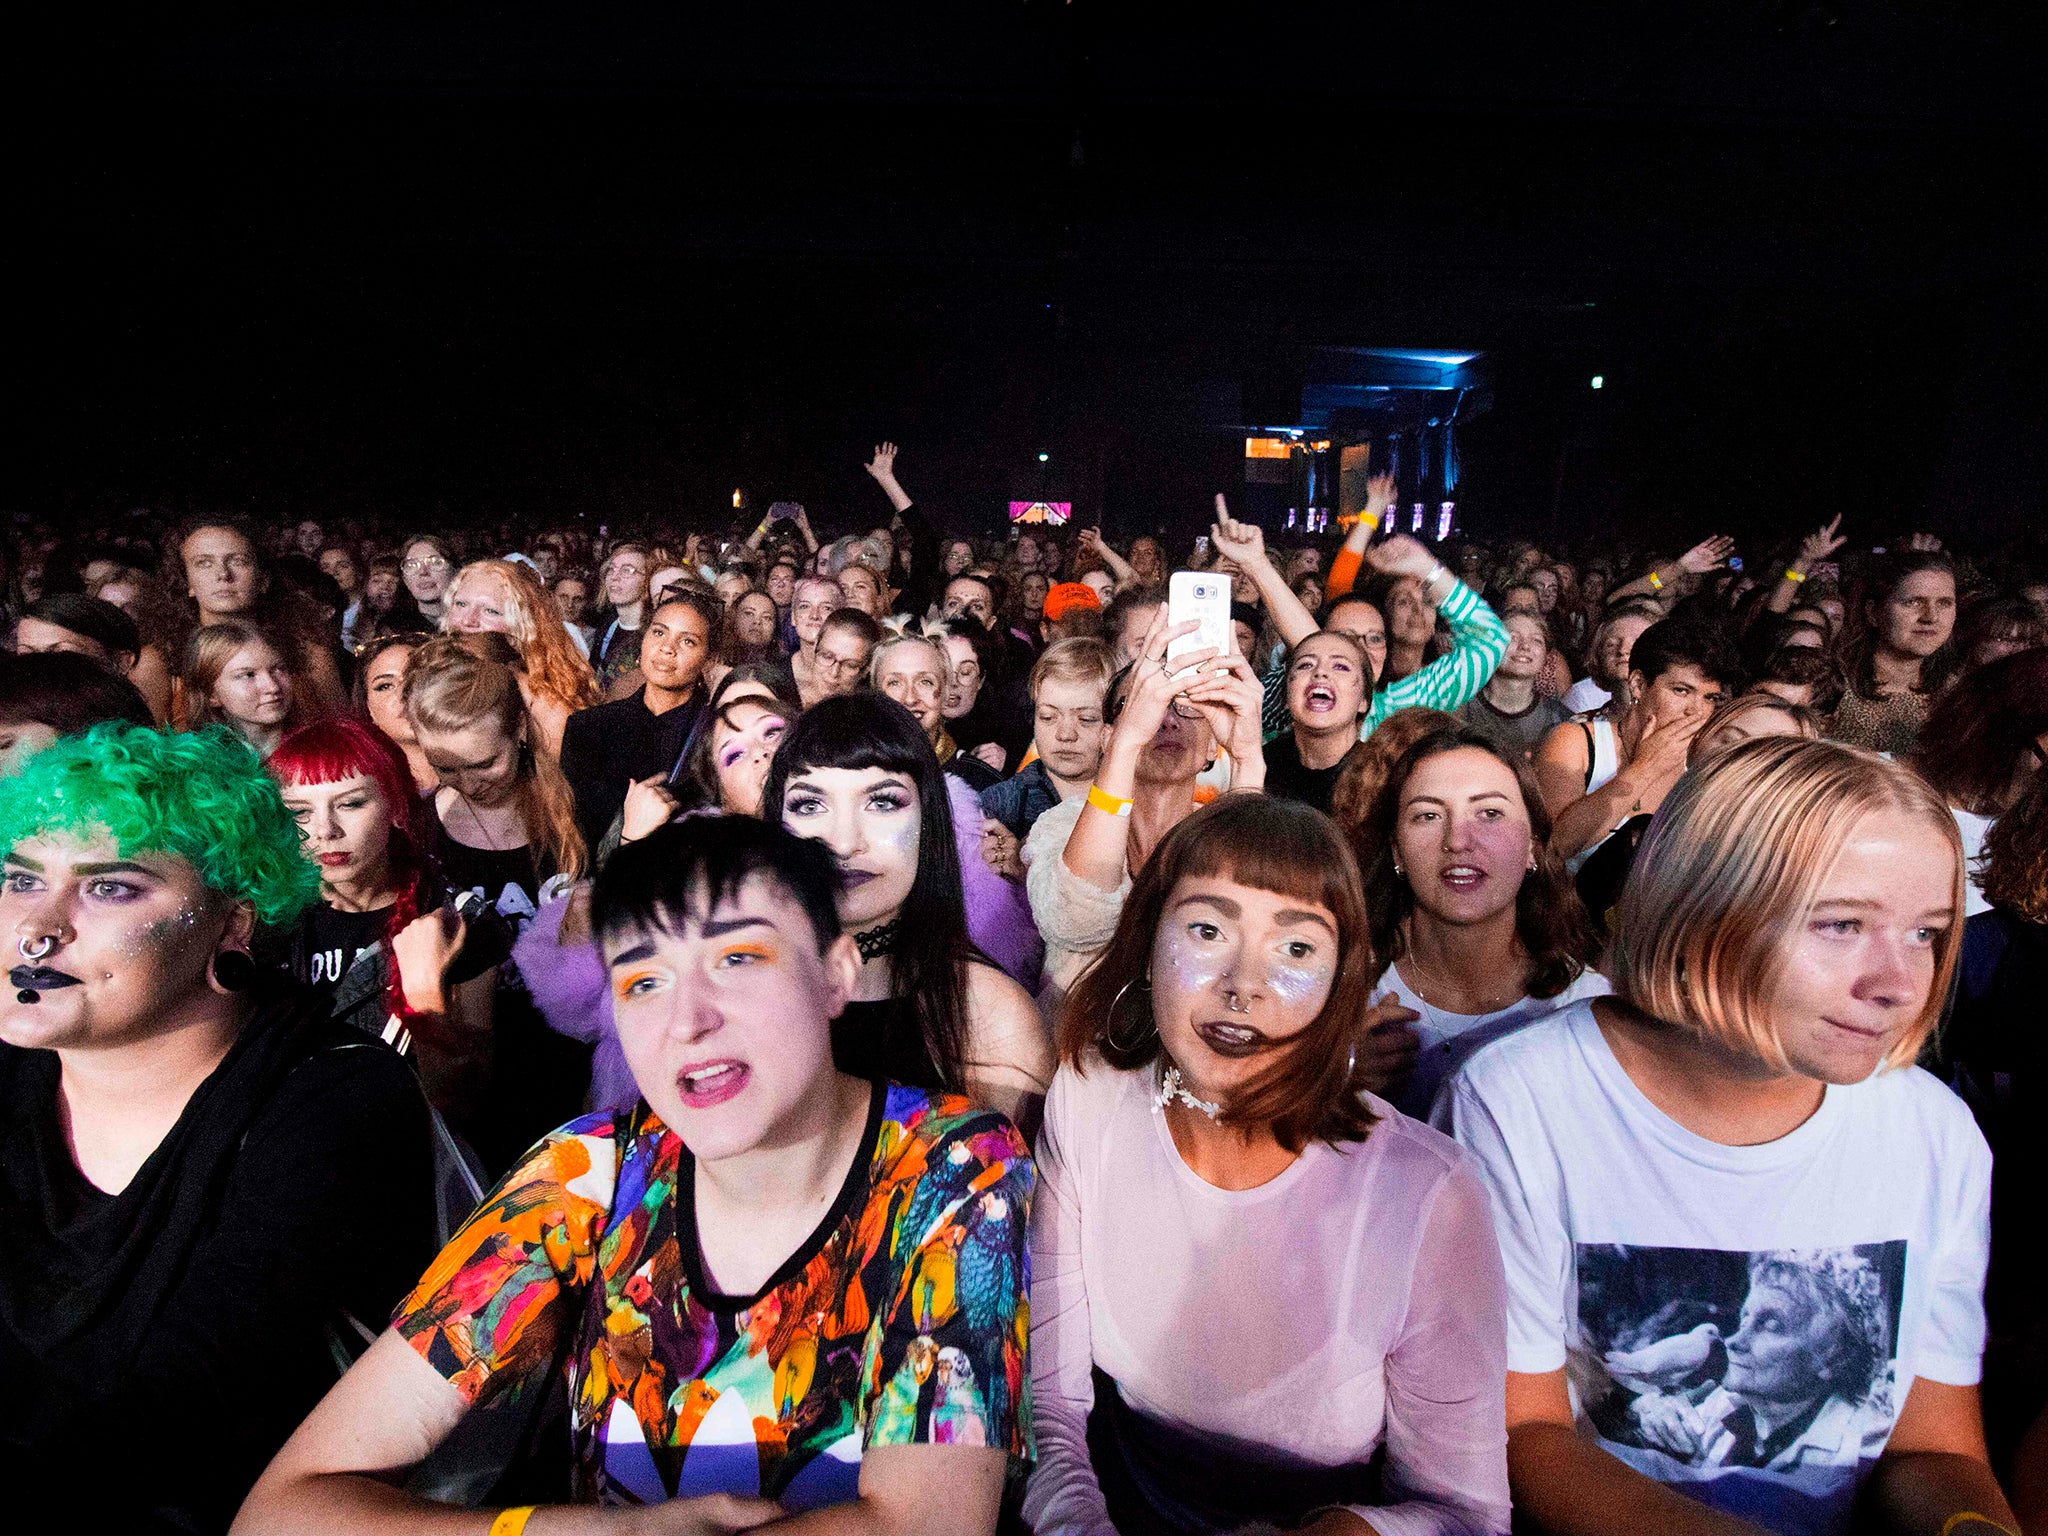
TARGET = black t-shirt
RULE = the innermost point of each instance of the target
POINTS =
(159, 1344)
(538, 1079)
(1286, 775)
(333, 940)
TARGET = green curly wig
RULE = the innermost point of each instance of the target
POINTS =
(204, 798)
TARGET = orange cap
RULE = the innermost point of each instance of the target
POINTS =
(1067, 596)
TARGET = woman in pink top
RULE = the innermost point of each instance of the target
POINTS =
(1281, 1301)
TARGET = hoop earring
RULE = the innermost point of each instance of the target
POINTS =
(1149, 1031)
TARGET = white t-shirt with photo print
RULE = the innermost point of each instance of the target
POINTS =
(1742, 1323)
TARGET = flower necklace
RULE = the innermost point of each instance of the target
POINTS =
(1171, 1088)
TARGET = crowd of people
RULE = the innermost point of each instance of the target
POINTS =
(722, 1028)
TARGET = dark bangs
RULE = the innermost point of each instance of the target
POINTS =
(688, 867)
(1309, 1092)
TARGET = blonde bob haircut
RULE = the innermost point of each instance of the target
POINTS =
(1730, 867)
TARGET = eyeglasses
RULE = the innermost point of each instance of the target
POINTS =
(430, 563)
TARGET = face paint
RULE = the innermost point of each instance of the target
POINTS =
(160, 937)
(1298, 985)
(1195, 966)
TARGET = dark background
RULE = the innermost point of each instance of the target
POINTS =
(466, 261)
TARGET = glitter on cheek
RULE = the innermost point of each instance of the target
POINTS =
(154, 938)
(1194, 966)
(1299, 986)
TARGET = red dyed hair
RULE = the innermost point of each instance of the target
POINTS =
(342, 747)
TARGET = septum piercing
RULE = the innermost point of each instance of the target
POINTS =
(42, 948)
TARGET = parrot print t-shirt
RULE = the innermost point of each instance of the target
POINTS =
(900, 1321)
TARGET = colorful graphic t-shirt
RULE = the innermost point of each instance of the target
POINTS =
(900, 1321)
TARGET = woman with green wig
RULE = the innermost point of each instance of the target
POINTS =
(202, 1179)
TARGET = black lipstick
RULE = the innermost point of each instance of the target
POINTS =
(34, 980)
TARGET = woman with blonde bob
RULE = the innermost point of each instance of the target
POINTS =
(505, 596)
(1258, 1293)
(1745, 1236)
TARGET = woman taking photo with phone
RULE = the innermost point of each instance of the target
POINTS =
(1166, 725)
(1290, 1293)
(1731, 1208)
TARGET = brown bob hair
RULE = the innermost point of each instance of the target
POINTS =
(1310, 1090)
(1727, 871)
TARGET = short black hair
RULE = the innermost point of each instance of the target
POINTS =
(100, 622)
(67, 692)
(1685, 643)
(653, 883)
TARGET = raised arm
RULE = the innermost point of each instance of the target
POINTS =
(883, 467)
(1813, 549)
(1093, 543)
(1656, 584)
(1379, 495)
(1478, 638)
(1246, 544)
(1098, 847)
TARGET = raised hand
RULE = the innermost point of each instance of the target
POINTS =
(1816, 547)
(648, 807)
(1922, 543)
(1230, 697)
(883, 465)
(1243, 542)
(1152, 687)
(1379, 493)
(1710, 554)
(1400, 555)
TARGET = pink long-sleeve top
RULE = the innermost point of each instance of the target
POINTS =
(1356, 1300)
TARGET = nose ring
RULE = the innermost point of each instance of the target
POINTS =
(35, 952)
(1232, 1003)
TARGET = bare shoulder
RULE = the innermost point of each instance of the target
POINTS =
(1563, 744)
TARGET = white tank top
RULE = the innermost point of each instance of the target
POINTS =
(1602, 760)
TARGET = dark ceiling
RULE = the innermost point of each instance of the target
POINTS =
(469, 257)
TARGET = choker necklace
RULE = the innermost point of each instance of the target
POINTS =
(1171, 1088)
(878, 941)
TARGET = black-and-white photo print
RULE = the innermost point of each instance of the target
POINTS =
(1778, 1363)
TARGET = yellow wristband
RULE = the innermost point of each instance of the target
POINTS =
(1113, 805)
(1949, 1525)
(1656, 582)
(511, 1522)
(1793, 573)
